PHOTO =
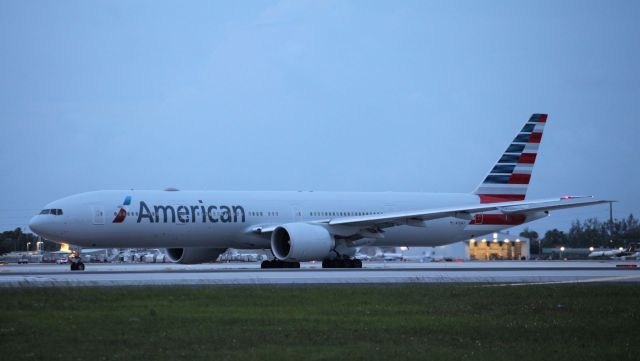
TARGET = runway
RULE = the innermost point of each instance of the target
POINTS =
(501, 272)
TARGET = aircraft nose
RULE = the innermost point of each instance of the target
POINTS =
(35, 224)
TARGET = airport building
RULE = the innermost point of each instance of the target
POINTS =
(496, 246)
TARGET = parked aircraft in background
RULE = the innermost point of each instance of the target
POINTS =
(622, 253)
(197, 226)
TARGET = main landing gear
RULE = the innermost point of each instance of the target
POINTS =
(276, 263)
(327, 263)
(342, 263)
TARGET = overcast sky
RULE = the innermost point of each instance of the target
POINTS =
(321, 95)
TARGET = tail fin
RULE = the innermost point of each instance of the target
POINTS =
(509, 178)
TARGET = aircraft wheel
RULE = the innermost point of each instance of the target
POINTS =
(342, 263)
(80, 266)
(279, 264)
(332, 263)
(74, 266)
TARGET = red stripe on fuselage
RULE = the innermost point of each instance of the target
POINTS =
(497, 198)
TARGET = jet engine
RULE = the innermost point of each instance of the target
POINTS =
(193, 255)
(301, 242)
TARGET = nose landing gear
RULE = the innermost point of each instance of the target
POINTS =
(76, 262)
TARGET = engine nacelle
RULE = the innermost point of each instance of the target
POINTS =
(193, 255)
(301, 242)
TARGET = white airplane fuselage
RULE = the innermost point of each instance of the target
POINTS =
(226, 219)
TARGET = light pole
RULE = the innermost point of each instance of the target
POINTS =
(540, 248)
(28, 245)
(561, 252)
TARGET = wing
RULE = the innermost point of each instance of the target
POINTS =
(464, 212)
(371, 226)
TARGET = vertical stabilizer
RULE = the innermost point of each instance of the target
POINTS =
(509, 178)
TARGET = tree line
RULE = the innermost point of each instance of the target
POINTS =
(17, 240)
(589, 233)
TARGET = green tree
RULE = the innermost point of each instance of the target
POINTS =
(17, 240)
(534, 245)
(555, 237)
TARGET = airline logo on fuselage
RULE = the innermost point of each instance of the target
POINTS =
(122, 210)
(200, 213)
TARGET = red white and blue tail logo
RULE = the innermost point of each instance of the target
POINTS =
(509, 178)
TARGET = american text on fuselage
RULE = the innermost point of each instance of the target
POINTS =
(193, 213)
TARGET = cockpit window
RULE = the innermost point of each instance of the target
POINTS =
(54, 211)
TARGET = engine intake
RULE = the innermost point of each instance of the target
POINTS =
(301, 242)
(194, 255)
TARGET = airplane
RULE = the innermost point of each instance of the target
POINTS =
(621, 253)
(197, 226)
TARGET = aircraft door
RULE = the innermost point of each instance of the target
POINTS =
(98, 215)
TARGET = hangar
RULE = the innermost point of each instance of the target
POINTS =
(496, 246)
